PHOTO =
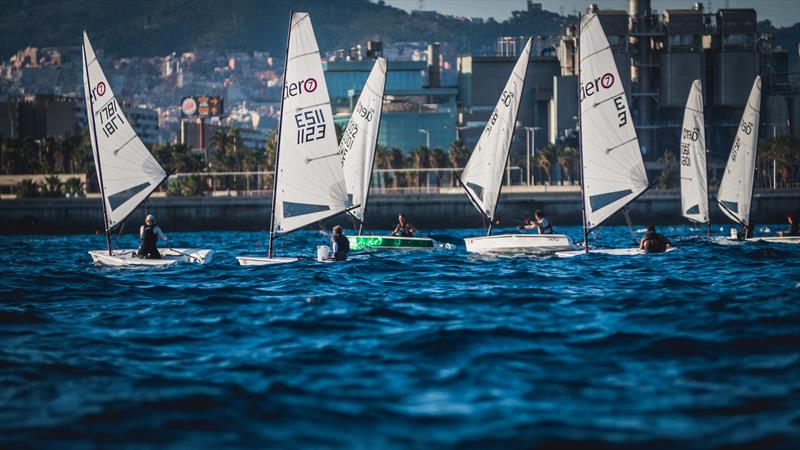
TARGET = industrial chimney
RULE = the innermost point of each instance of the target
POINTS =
(434, 72)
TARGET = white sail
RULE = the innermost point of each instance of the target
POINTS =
(357, 148)
(736, 189)
(310, 181)
(483, 174)
(127, 170)
(694, 181)
(613, 169)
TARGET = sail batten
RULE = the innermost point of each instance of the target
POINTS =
(483, 174)
(736, 189)
(126, 169)
(309, 185)
(613, 168)
(357, 148)
(692, 157)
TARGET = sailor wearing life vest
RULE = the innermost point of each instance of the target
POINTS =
(654, 242)
(339, 244)
(540, 222)
(149, 234)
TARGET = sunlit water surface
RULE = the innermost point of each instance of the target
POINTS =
(698, 348)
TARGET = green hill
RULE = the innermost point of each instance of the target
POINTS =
(159, 27)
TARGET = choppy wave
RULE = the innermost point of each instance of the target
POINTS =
(698, 348)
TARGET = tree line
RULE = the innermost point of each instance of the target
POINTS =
(777, 162)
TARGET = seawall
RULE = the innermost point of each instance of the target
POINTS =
(434, 210)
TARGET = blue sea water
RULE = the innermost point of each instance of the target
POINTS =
(698, 348)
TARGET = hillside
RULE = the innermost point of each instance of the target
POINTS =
(159, 27)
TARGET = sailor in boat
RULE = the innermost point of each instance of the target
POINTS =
(745, 233)
(654, 242)
(149, 234)
(403, 227)
(339, 244)
(793, 228)
(539, 222)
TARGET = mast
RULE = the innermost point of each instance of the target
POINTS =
(96, 147)
(278, 144)
(372, 168)
(580, 144)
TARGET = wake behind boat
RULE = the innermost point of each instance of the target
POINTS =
(482, 178)
(126, 170)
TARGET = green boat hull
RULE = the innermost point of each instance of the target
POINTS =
(365, 242)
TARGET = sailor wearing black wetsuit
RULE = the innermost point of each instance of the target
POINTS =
(653, 242)
(793, 228)
(339, 243)
(149, 234)
(745, 233)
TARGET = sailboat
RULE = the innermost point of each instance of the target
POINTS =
(126, 170)
(736, 189)
(357, 150)
(482, 177)
(694, 178)
(613, 172)
(309, 184)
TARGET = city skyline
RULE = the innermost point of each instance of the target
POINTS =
(782, 13)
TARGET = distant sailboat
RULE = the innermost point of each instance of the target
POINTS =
(126, 170)
(482, 177)
(694, 178)
(613, 172)
(309, 180)
(357, 150)
(736, 189)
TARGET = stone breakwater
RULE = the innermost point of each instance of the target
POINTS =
(426, 210)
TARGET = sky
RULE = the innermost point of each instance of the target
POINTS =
(779, 12)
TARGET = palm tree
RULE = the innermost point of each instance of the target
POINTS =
(780, 151)
(545, 159)
(567, 159)
(52, 186)
(394, 160)
(73, 187)
(27, 188)
(438, 160)
(665, 179)
(48, 152)
(420, 159)
(459, 155)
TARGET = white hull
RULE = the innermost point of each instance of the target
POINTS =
(519, 243)
(769, 239)
(777, 239)
(263, 261)
(169, 256)
(610, 251)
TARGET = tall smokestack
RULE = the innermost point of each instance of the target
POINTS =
(434, 72)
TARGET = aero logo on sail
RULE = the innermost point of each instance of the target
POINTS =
(299, 87)
(592, 87)
(99, 90)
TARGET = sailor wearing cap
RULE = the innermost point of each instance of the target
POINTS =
(149, 233)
